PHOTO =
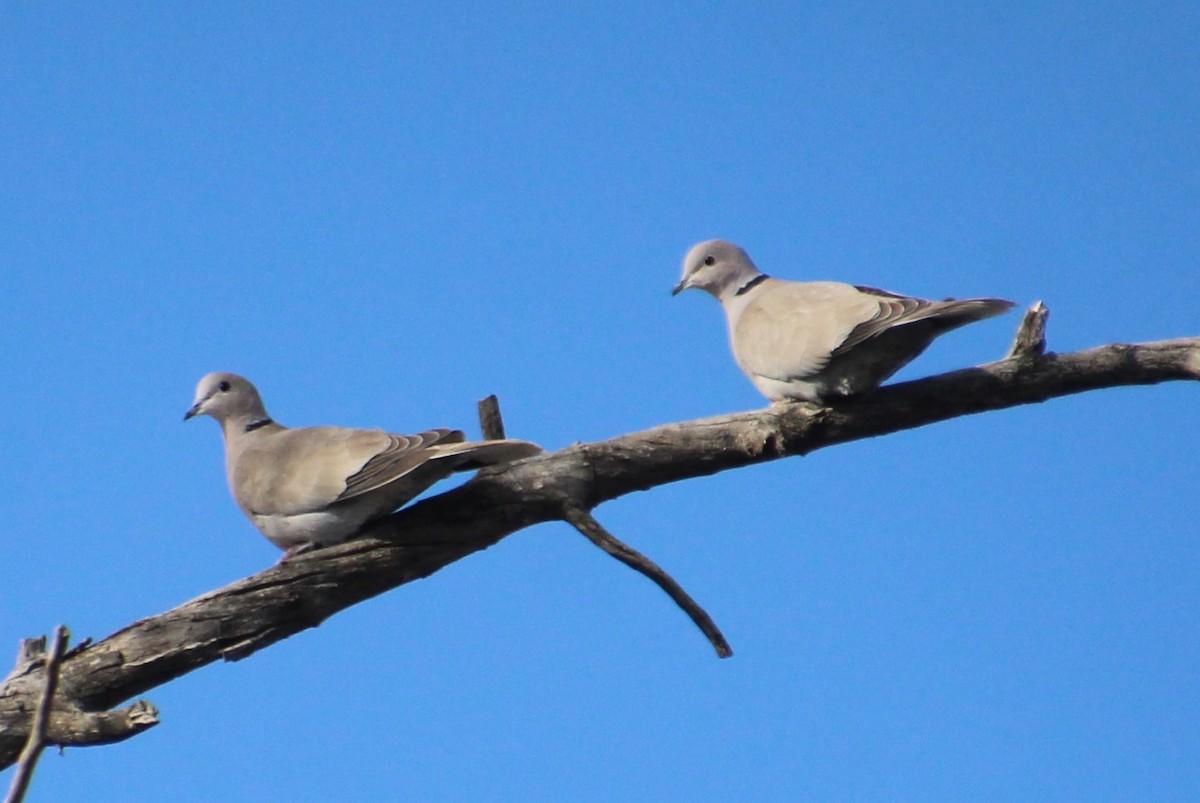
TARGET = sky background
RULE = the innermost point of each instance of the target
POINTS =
(381, 213)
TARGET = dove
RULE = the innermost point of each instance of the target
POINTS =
(816, 341)
(315, 486)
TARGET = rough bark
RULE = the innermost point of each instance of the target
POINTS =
(235, 621)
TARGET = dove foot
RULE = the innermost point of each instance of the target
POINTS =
(293, 551)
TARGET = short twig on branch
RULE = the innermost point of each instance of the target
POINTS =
(42, 682)
(1030, 341)
(490, 422)
(41, 720)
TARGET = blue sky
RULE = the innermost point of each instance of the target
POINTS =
(381, 213)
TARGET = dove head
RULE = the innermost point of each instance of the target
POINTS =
(227, 397)
(717, 267)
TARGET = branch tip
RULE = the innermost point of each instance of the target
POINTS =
(586, 523)
(490, 421)
(41, 715)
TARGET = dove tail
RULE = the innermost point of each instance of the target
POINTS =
(478, 454)
(954, 313)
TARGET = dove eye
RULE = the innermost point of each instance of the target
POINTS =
(710, 260)
(224, 386)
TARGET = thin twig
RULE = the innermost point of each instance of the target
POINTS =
(586, 523)
(41, 719)
(490, 421)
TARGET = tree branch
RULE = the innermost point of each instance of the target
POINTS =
(492, 425)
(36, 741)
(252, 613)
(586, 523)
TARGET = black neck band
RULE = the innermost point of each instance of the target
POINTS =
(750, 285)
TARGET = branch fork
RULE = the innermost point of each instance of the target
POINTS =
(492, 425)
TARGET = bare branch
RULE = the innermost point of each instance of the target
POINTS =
(252, 613)
(41, 718)
(57, 718)
(586, 523)
(492, 425)
(70, 727)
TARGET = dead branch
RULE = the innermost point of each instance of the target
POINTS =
(255, 612)
(36, 740)
(491, 422)
(586, 523)
(1030, 341)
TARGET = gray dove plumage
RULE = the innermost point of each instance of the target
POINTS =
(813, 341)
(315, 486)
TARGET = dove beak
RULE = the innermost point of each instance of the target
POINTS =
(679, 288)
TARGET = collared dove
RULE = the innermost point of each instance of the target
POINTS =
(316, 486)
(811, 341)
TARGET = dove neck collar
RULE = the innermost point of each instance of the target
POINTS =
(750, 285)
(259, 424)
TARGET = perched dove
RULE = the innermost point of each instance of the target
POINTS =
(811, 341)
(316, 486)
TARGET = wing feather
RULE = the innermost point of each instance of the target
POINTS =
(403, 454)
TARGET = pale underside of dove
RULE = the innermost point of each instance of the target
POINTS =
(315, 486)
(816, 341)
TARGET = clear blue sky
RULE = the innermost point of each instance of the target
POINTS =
(381, 213)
